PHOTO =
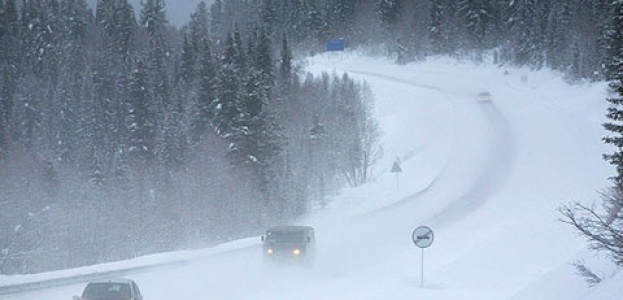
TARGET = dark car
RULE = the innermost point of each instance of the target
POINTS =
(484, 97)
(113, 289)
(289, 243)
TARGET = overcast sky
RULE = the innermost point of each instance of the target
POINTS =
(178, 11)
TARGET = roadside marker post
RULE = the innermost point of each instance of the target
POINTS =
(422, 237)
(396, 169)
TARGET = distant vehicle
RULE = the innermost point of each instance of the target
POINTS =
(289, 243)
(113, 289)
(484, 97)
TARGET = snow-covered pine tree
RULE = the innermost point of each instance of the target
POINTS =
(3, 102)
(263, 63)
(477, 15)
(154, 21)
(76, 26)
(194, 35)
(340, 16)
(269, 15)
(254, 138)
(388, 11)
(9, 70)
(207, 90)
(600, 9)
(311, 24)
(285, 71)
(171, 127)
(198, 27)
(226, 106)
(557, 40)
(141, 118)
(523, 31)
(188, 82)
(30, 94)
(615, 78)
(115, 47)
(218, 29)
(444, 27)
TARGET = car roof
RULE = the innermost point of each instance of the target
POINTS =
(291, 228)
(113, 280)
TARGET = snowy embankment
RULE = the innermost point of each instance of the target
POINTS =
(486, 177)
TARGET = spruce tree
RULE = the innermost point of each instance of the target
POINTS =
(9, 69)
(286, 68)
(615, 111)
(444, 26)
(207, 90)
(142, 121)
(523, 31)
(76, 26)
(34, 36)
(171, 126)
(218, 26)
(226, 108)
(189, 75)
(477, 16)
(154, 22)
(388, 11)
(116, 29)
(263, 62)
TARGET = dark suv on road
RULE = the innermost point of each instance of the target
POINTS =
(113, 289)
(289, 243)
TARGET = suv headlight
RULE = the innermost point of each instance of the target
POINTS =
(296, 252)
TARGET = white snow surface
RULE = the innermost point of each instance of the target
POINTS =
(488, 179)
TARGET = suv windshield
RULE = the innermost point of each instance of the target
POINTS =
(106, 290)
(285, 237)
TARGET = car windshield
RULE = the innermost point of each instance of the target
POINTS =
(106, 290)
(285, 237)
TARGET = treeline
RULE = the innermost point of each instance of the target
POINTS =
(565, 35)
(121, 135)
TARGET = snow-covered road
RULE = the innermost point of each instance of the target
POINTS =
(486, 177)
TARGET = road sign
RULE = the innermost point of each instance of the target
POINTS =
(423, 236)
(335, 45)
(396, 168)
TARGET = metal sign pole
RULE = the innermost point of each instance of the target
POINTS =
(422, 270)
(396, 170)
(422, 237)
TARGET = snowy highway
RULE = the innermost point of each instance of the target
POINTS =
(486, 177)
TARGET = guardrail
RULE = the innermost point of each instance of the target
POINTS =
(72, 279)
(121, 272)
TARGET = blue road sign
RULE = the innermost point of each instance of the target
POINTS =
(335, 45)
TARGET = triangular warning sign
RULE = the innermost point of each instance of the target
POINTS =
(396, 168)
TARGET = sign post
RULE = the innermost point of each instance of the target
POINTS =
(396, 170)
(333, 46)
(422, 237)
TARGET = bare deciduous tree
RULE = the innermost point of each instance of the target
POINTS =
(601, 225)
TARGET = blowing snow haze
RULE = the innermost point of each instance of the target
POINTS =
(167, 156)
(178, 12)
